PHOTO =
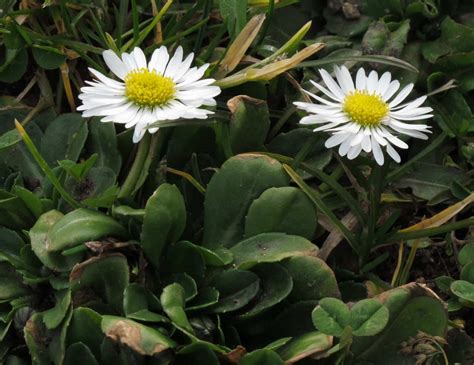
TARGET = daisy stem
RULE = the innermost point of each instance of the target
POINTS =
(128, 186)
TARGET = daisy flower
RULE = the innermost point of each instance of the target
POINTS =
(164, 88)
(367, 115)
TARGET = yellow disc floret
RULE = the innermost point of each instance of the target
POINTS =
(148, 88)
(365, 109)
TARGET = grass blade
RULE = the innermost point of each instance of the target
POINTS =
(44, 166)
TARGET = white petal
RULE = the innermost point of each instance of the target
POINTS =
(193, 75)
(159, 60)
(354, 152)
(114, 63)
(313, 119)
(344, 79)
(331, 84)
(411, 133)
(324, 101)
(366, 145)
(401, 95)
(325, 91)
(324, 127)
(357, 138)
(393, 154)
(335, 140)
(392, 89)
(377, 151)
(138, 133)
(129, 61)
(317, 108)
(196, 84)
(344, 147)
(398, 124)
(201, 93)
(107, 81)
(372, 82)
(140, 58)
(412, 104)
(183, 68)
(384, 83)
(392, 139)
(174, 63)
(361, 79)
(378, 137)
(412, 112)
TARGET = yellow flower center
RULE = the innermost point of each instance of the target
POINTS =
(148, 88)
(365, 109)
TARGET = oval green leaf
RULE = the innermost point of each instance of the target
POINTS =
(368, 317)
(331, 316)
(270, 247)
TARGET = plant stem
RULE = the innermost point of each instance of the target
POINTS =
(142, 153)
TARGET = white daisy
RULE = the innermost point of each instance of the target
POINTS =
(161, 89)
(365, 116)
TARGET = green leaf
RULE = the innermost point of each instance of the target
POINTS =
(182, 258)
(368, 317)
(82, 225)
(313, 279)
(78, 170)
(377, 9)
(220, 257)
(249, 124)
(10, 244)
(197, 353)
(79, 354)
(237, 288)
(164, 221)
(85, 328)
(331, 316)
(10, 283)
(14, 65)
(53, 317)
(309, 344)
(48, 58)
(234, 13)
(413, 308)
(464, 290)
(40, 244)
(466, 254)
(229, 194)
(102, 278)
(206, 297)
(455, 37)
(275, 285)
(142, 339)
(102, 140)
(270, 247)
(173, 302)
(32, 201)
(285, 209)
(187, 282)
(137, 298)
(64, 138)
(467, 272)
(261, 357)
(428, 181)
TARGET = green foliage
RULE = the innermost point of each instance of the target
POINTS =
(241, 239)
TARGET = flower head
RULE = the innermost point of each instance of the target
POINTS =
(366, 115)
(162, 89)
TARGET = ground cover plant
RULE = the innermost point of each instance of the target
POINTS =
(253, 182)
